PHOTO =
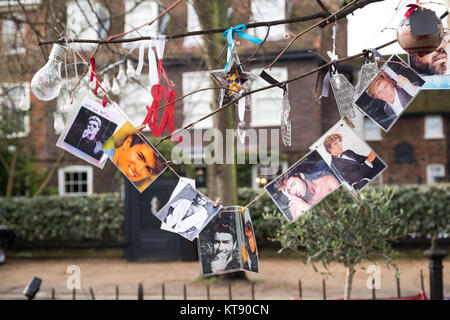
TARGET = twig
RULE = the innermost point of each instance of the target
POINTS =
(196, 33)
(172, 6)
(305, 31)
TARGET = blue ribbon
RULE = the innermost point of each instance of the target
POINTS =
(239, 30)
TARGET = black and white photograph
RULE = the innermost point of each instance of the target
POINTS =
(249, 249)
(351, 158)
(434, 67)
(218, 243)
(91, 126)
(188, 212)
(390, 92)
(303, 186)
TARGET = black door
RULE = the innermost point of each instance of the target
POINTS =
(143, 237)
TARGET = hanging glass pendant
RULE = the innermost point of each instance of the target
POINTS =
(115, 90)
(285, 122)
(58, 123)
(242, 131)
(106, 84)
(131, 72)
(368, 72)
(121, 76)
(344, 93)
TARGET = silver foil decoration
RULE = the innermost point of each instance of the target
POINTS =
(368, 73)
(344, 93)
(285, 122)
(234, 82)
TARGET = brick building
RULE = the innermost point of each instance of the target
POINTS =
(415, 149)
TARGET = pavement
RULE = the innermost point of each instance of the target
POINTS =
(278, 279)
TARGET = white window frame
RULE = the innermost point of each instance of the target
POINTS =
(433, 135)
(371, 137)
(198, 104)
(134, 97)
(18, 34)
(431, 168)
(79, 169)
(24, 108)
(137, 16)
(193, 24)
(91, 27)
(275, 95)
(277, 32)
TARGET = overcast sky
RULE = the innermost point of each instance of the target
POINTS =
(365, 26)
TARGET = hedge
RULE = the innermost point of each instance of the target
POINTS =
(422, 210)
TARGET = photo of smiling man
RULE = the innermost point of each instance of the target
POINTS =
(138, 160)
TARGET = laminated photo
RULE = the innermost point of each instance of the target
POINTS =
(135, 156)
(434, 67)
(249, 251)
(188, 212)
(180, 185)
(303, 186)
(390, 93)
(225, 245)
(351, 158)
(89, 128)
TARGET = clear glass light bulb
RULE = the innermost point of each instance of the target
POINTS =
(58, 123)
(46, 83)
(106, 84)
(131, 72)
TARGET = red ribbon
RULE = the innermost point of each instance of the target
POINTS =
(97, 84)
(158, 92)
(412, 8)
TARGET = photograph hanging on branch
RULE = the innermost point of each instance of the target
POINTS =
(188, 212)
(225, 246)
(180, 185)
(351, 158)
(89, 128)
(390, 92)
(434, 67)
(135, 156)
(303, 186)
(249, 251)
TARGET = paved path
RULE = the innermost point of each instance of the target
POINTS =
(278, 279)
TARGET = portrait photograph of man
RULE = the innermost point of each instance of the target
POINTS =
(434, 67)
(249, 251)
(218, 243)
(304, 185)
(390, 92)
(188, 212)
(87, 133)
(349, 156)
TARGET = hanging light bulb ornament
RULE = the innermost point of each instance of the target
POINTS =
(420, 31)
(46, 83)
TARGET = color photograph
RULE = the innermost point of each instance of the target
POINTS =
(350, 157)
(249, 251)
(304, 185)
(434, 67)
(390, 93)
(135, 156)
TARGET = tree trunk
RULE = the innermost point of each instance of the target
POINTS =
(49, 176)
(12, 173)
(348, 283)
(220, 178)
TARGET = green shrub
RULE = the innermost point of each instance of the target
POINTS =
(421, 210)
(53, 218)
